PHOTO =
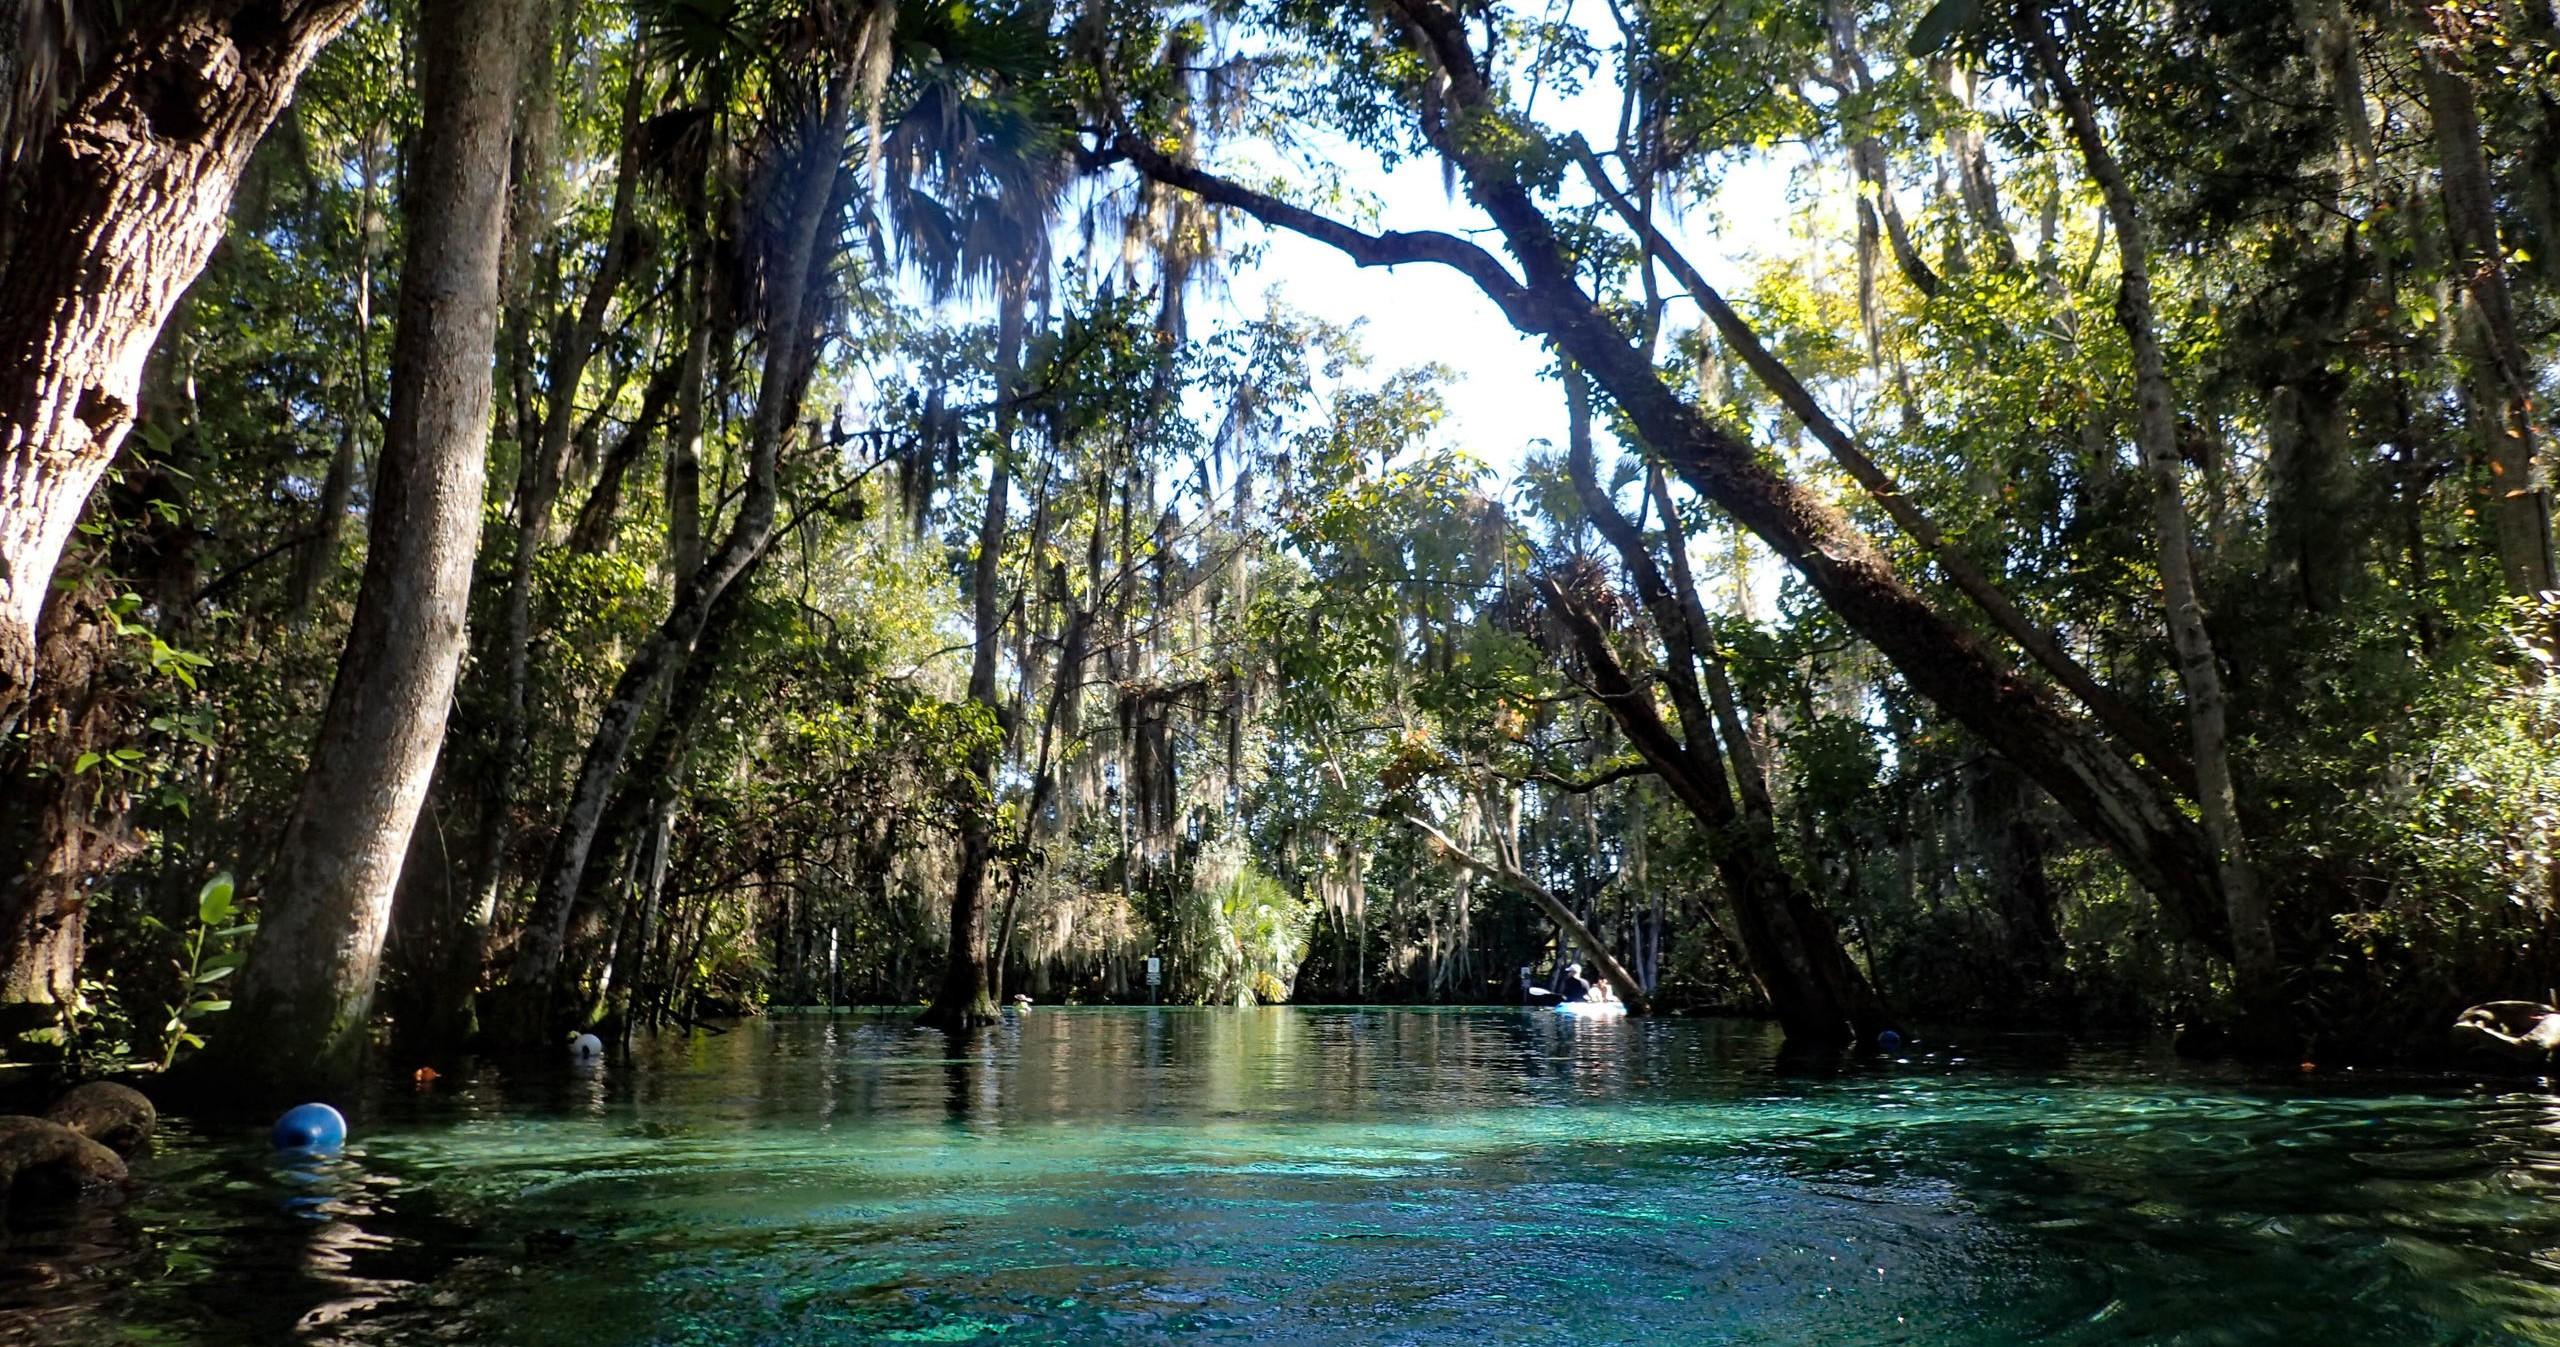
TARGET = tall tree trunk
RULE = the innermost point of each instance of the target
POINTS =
(542, 465)
(308, 986)
(114, 212)
(2253, 950)
(628, 1003)
(790, 341)
(59, 829)
(2519, 484)
(965, 1000)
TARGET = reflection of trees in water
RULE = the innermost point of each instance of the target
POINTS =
(2133, 1215)
(2027, 1195)
(972, 1091)
(262, 1251)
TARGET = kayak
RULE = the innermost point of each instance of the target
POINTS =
(1592, 1010)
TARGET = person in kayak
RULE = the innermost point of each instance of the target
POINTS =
(1572, 986)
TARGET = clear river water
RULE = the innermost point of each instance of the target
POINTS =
(1336, 1176)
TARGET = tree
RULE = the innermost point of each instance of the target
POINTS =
(795, 276)
(2252, 934)
(2130, 808)
(107, 213)
(305, 995)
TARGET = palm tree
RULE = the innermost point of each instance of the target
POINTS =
(978, 162)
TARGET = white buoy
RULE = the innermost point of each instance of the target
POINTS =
(587, 1048)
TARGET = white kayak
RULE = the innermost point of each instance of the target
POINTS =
(1592, 1010)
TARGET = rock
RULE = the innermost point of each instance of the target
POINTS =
(41, 1153)
(112, 1115)
(2525, 1031)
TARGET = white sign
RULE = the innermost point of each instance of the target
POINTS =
(1155, 971)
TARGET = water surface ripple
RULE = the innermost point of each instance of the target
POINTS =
(1337, 1176)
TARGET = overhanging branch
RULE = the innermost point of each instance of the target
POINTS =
(1513, 878)
(1392, 248)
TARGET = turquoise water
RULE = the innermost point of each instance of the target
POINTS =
(1338, 1176)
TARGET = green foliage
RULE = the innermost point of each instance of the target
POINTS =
(1243, 933)
(215, 946)
(1256, 604)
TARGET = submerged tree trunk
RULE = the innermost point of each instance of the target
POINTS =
(2253, 949)
(112, 214)
(308, 986)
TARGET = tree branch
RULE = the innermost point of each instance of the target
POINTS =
(1586, 784)
(1393, 248)
(1511, 877)
(2112, 711)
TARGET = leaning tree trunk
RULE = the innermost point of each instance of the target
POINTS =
(308, 986)
(1793, 944)
(2130, 810)
(531, 1008)
(117, 208)
(2253, 947)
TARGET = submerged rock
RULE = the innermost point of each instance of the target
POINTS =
(38, 1153)
(112, 1115)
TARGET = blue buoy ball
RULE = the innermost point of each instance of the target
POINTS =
(309, 1127)
(1889, 1041)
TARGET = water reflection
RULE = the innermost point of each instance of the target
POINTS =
(1338, 1175)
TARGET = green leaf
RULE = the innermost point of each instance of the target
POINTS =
(215, 975)
(1937, 26)
(83, 763)
(207, 1007)
(213, 901)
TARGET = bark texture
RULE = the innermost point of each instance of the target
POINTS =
(308, 987)
(2253, 950)
(59, 828)
(112, 215)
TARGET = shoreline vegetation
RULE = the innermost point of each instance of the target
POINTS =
(522, 520)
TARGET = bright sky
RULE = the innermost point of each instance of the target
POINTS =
(1500, 402)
